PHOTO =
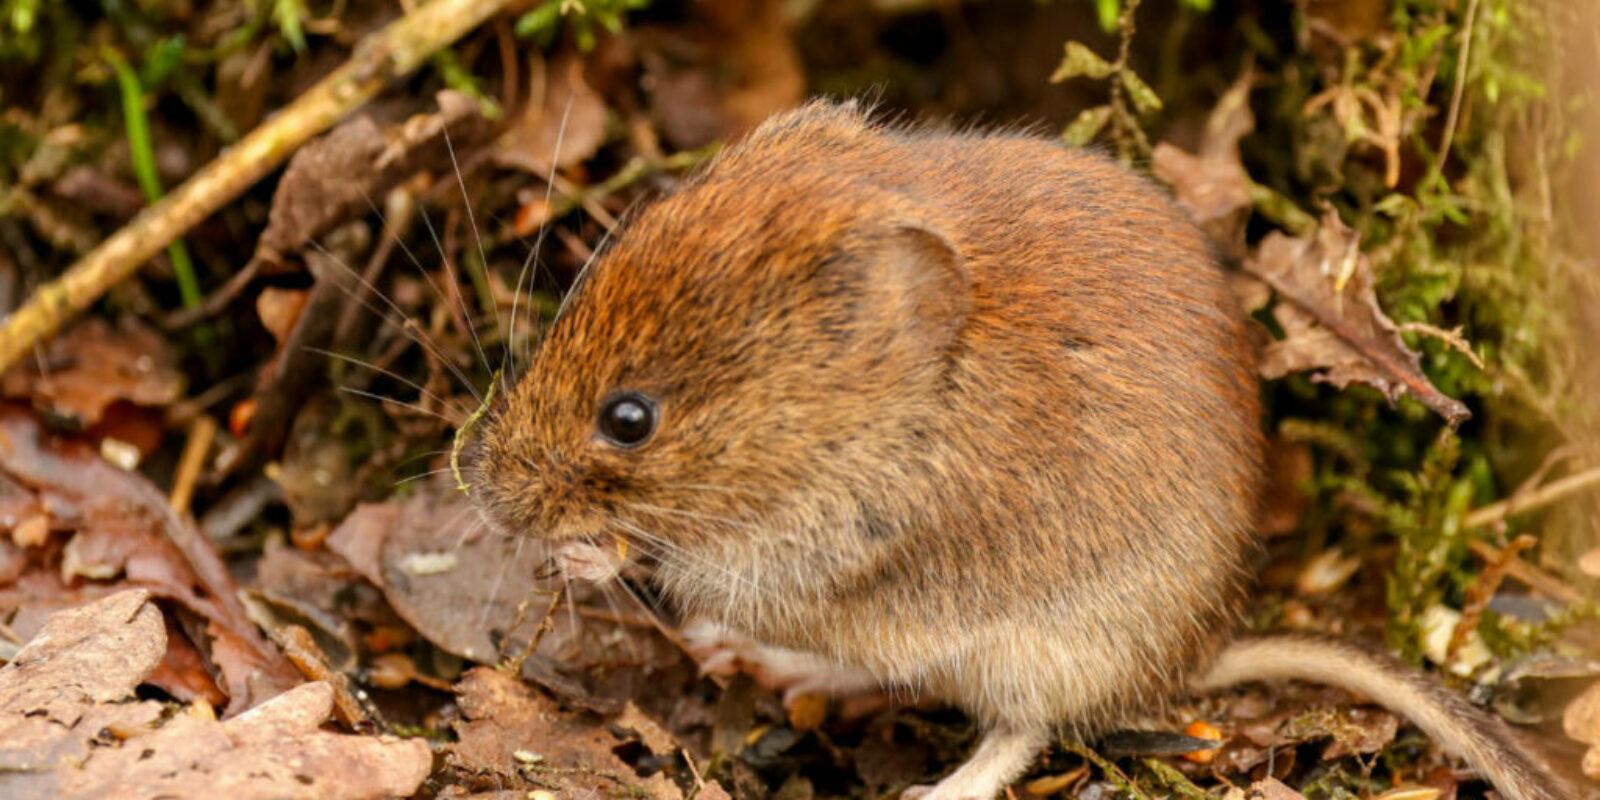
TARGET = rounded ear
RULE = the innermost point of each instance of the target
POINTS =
(914, 285)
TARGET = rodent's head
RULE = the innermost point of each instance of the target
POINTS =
(768, 334)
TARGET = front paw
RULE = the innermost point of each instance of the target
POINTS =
(722, 651)
(588, 561)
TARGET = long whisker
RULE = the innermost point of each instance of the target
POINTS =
(391, 374)
(382, 398)
(421, 475)
(472, 223)
(405, 322)
(533, 253)
(647, 542)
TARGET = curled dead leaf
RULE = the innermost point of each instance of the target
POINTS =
(1581, 721)
(562, 123)
(1212, 184)
(86, 370)
(1333, 325)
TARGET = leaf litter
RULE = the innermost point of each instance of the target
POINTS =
(73, 729)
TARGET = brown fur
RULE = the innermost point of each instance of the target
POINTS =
(972, 413)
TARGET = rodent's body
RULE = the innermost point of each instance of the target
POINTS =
(1083, 466)
(973, 414)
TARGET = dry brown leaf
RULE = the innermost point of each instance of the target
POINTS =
(1213, 184)
(76, 680)
(447, 576)
(1332, 322)
(512, 734)
(1581, 721)
(562, 123)
(92, 366)
(70, 682)
(276, 750)
(658, 739)
(721, 79)
(473, 593)
(349, 168)
(1353, 730)
(122, 528)
(1268, 789)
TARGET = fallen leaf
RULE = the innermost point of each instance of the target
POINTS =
(658, 739)
(1332, 323)
(473, 592)
(71, 682)
(343, 171)
(92, 366)
(276, 750)
(1268, 789)
(1360, 731)
(121, 533)
(513, 734)
(562, 123)
(75, 682)
(466, 609)
(1581, 721)
(718, 80)
(1213, 184)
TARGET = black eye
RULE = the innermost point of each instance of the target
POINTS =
(626, 420)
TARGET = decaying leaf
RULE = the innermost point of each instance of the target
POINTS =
(1268, 789)
(1332, 323)
(514, 735)
(1212, 184)
(92, 366)
(724, 77)
(70, 727)
(70, 683)
(658, 739)
(351, 167)
(444, 573)
(477, 594)
(121, 533)
(562, 123)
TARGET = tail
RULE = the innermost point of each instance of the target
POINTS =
(1484, 741)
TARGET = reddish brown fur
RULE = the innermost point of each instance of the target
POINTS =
(973, 412)
(968, 414)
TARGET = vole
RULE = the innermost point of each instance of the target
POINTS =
(970, 414)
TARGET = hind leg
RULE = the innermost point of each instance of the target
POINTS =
(1004, 754)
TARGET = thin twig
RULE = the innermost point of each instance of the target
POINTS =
(1483, 590)
(1535, 578)
(1538, 498)
(1453, 115)
(1116, 776)
(1127, 131)
(202, 432)
(514, 664)
(392, 52)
